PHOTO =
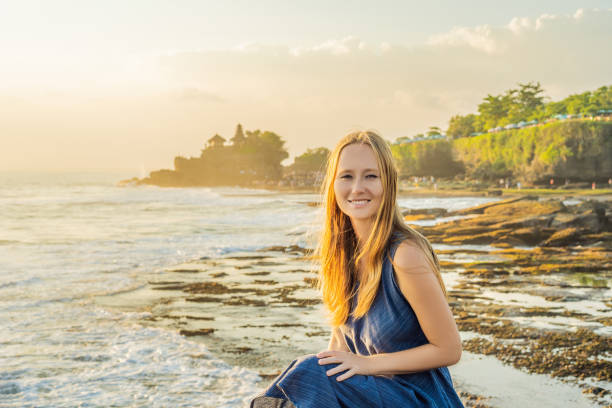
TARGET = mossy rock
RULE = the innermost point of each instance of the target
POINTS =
(526, 208)
(479, 209)
(481, 239)
(530, 235)
(564, 237)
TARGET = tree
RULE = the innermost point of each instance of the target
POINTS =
(461, 126)
(311, 160)
(493, 109)
(433, 130)
(529, 97)
(513, 106)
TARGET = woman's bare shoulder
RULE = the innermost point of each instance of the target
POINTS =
(410, 257)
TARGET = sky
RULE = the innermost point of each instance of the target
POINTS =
(129, 85)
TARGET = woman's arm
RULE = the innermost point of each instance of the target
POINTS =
(337, 342)
(420, 287)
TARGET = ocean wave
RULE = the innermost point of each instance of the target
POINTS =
(131, 366)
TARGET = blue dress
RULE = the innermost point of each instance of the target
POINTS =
(389, 326)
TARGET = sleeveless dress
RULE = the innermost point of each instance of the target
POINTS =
(389, 326)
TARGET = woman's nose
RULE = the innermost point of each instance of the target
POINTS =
(358, 184)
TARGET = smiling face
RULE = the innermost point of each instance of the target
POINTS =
(357, 186)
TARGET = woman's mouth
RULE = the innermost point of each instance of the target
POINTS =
(359, 203)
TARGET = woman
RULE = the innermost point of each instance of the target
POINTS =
(393, 333)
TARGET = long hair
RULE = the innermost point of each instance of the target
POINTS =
(337, 250)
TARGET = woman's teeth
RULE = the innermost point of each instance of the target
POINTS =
(359, 201)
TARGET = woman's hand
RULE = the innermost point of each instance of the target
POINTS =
(355, 364)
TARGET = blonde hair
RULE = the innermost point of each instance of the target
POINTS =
(337, 250)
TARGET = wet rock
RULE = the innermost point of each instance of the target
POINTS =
(211, 287)
(598, 391)
(204, 299)
(239, 350)
(312, 282)
(200, 332)
(247, 257)
(481, 239)
(563, 238)
(479, 209)
(526, 208)
(538, 221)
(185, 270)
(525, 222)
(527, 235)
(264, 282)
(472, 400)
(241, 301)
(267, 263)
(318, 333)
(412, 214)
(288, 249)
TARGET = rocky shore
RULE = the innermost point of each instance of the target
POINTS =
(528, 281)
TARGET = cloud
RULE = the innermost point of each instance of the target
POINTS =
(480, 38)
(561, 51)
(313, 95)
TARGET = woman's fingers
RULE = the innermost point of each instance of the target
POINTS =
(328, 360)
(346, 375)
(336, 370)
(331, 357)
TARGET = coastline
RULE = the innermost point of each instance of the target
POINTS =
(603, 194)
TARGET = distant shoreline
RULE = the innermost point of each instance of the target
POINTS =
(466, 192)
(445, 189)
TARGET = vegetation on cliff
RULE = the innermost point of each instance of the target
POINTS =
(517, 135)
(427, 158)
(572, 150)
(575, 150)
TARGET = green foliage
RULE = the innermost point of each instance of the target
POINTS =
(426, 158)
(513, 106)
(313, 160)
(576, 150)
(527, 103)
(461, 126)
(433, 130)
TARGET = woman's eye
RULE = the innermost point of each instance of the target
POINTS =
(346, 176)
(371, 176)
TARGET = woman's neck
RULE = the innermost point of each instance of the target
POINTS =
(362, 230)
